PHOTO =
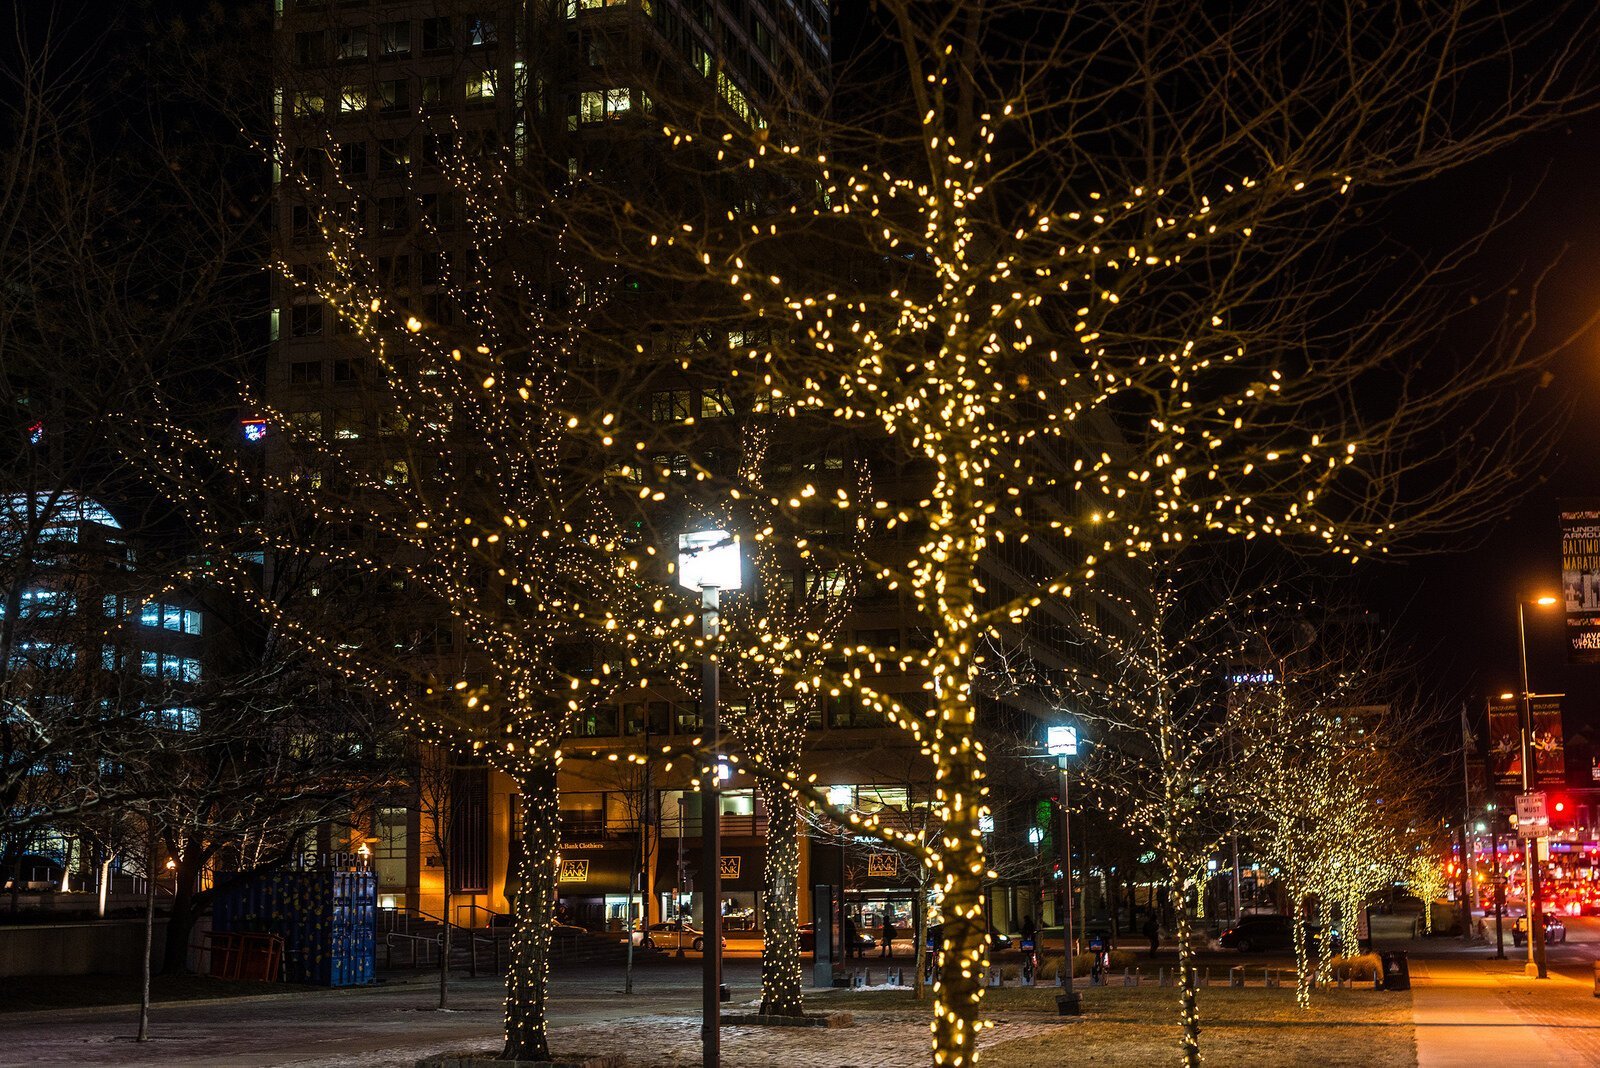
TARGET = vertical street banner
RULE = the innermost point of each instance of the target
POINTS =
(1580, 578)
(1505, 743)
(1549, 751)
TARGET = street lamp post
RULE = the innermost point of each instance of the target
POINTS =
(1061, 742)
(708, 561)
(1499, 888)
(1535, 910)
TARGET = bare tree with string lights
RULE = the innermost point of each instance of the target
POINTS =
(515, 595)
(1083, 271)
(1336, 793)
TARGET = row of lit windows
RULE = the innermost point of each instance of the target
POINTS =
(678, 405)
(43, 603)
(170, 617)
(154, 665)
(394, 96)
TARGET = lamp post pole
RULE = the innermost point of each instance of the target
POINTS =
(1535, 910)
(709, 561)
(683, 879)
(711, 842)
(1066, 876)
(1499, 890)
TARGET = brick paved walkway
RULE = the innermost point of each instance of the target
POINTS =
(879, 1040)
(1473, 1013)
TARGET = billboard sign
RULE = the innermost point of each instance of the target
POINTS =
(1580, 578)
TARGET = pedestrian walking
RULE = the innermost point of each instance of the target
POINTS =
(888, 933)
(850, 947)
(1152, 931)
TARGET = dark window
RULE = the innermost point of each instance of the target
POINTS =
(395, 270)
(305, 372)
(469, 831)
(393, 215)
(394, 38)
(352, 42)
(305, 320)
(311, 47)
(347, 370)
(353, 159)
(435, 91)
(435, 266)
(394, 95)
(440, 211)
(300, 221)
(435, 34)
(440, 308)
(394, 155)
(308, 163)
(480, 31)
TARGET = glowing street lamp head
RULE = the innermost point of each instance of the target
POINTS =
(709, 559)
(1061, 740)
(1544, 602)
(1507, 696)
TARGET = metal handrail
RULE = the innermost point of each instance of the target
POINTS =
(405, 915)
(472, 912)
(418, 960)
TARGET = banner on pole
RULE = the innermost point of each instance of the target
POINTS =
(1580, 578)
(1505, 741)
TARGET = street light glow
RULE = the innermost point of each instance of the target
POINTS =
(1546, 601)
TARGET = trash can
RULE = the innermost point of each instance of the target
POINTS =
(1396, 972)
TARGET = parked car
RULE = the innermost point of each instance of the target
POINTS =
(673, 934)
(1259, 932)
(1555, 929)
(808, 939)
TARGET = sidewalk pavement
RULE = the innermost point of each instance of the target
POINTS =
(1471, 1013)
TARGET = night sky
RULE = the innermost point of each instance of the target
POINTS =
(1457, 605)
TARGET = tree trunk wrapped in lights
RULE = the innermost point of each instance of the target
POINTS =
(781, 978)
(528, 971)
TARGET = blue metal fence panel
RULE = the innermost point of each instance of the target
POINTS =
(327, 920)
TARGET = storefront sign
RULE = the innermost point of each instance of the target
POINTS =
(574, 871)
(728, 867)
(883, 865)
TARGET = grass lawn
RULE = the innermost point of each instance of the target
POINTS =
(1342, 1028)
(77, 991)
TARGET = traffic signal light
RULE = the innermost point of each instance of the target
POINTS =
(1559, 808)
